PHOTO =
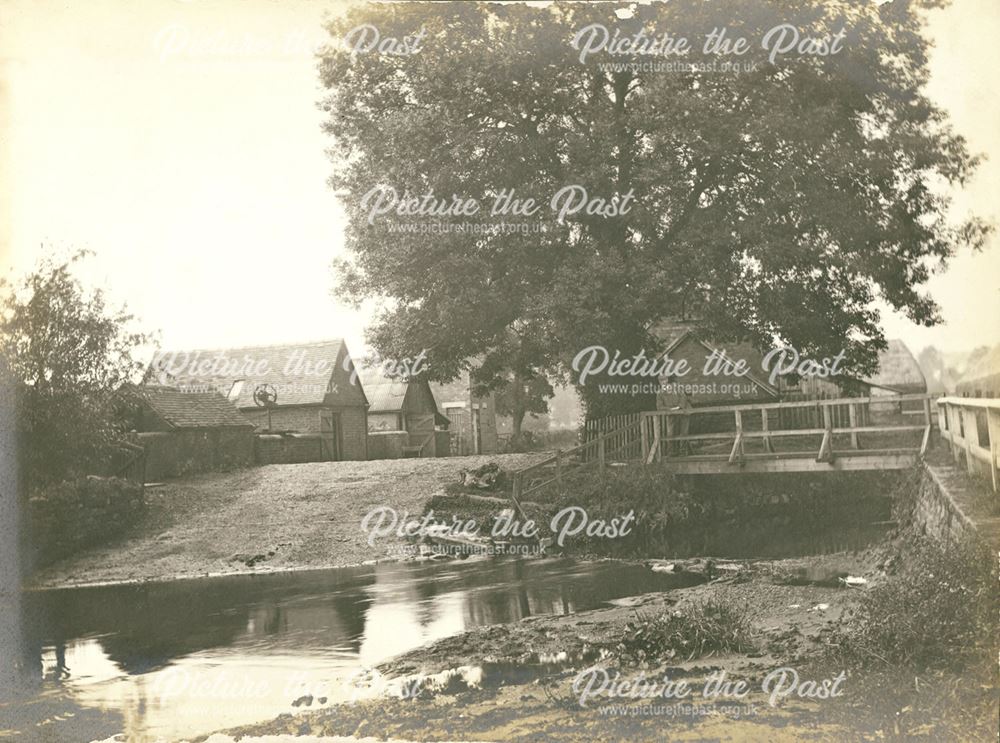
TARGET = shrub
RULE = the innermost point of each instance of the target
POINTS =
(660, 509)
(705, 627)
(939, 611)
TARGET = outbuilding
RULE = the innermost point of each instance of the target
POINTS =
(303, 399)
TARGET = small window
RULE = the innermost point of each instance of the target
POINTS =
(234, 391)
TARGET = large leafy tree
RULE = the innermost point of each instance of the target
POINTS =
(65, 353)
(781, 203)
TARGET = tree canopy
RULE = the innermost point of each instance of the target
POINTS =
(66, 353)
(778, 203)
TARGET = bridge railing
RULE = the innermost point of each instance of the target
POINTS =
(972, 427)
(667, 434)
(554, 475)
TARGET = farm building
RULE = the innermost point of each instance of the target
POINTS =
(402, 417)
(454, 400)
(299, 397)
(187, 432)
(898, 374)
(696, 388)
(982, 378)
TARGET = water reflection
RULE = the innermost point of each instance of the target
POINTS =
(171, 660)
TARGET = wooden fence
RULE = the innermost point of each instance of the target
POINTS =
(972, 428)
(552, 476)
(129, 463)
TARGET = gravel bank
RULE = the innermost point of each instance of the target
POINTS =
(268, 518)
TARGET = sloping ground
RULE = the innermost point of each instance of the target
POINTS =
(273, 517)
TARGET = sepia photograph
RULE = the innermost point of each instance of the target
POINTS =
(499, 370)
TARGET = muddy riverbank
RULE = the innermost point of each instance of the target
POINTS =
(522, 681)
(515, 681)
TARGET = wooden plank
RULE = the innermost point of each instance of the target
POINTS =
(825, 449)
(736, 452)
(795, 404)
(993, 428)
(691, 466)
(969, 430)
(764, 426)
(971, 402)
(852, 419)
(646, 420)
(654, 449)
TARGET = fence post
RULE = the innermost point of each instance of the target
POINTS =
(969, 416)
(644, 433)
(600, 451)
(852, 418)
(955, 426)
(765, 427)
(559, 470)
(738, 446)
(993, 429)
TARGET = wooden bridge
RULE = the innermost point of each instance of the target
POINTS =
(839, 434)
(843, 434)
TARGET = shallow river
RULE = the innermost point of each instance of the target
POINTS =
(168, 660)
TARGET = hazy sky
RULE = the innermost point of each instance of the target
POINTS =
(179, 140)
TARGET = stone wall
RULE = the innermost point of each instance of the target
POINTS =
(935, 509)
(69, 516)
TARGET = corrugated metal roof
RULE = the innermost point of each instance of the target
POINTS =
(385, 394)
(300, 373)
(192, 409)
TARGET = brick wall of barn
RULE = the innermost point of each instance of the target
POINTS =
(300, 420)
(353, 428)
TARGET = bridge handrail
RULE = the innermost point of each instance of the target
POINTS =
(892, 399)
(958, 421)
(971, 402)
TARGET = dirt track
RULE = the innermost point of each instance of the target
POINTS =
(276, 517)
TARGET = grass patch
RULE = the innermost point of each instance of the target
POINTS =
(938, 611)
(703, 628)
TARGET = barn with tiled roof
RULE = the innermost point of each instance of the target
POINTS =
(307, 392)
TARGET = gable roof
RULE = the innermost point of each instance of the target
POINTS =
(300, 373)
(385, 394)
(673, 333)
(898, 370)
(181, 409)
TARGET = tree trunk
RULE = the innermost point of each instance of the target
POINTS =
(518, 411)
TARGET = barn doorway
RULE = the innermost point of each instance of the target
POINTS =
(329, 436)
